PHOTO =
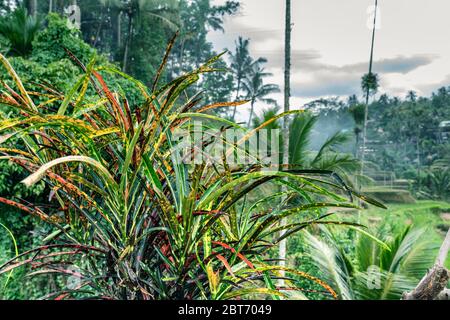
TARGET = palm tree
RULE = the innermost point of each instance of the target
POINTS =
(437, 179)
(287, 95)
(411, 96)
(370, 83)
(240, 62)
(299, 156)
(358, 112)
(20, 28)
(256, 89)
(326, 157)
(370, 86)
(135, 9)
(266, 115)
(374, 270)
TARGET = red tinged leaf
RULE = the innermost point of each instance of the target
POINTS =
(129, 117)
(15, 94)
(164, 62)
(240, 255)
(112, 100)
(225, 263)
(78, 248)
(33, 211)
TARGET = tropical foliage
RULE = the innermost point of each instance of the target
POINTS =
(20, 29)
(373, 271)
(100, 198)
(329, 155)
(129, 214)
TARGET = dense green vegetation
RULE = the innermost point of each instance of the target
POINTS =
(106, 209)
(405, 140)
(142, 223)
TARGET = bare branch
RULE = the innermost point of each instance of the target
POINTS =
(433, 285)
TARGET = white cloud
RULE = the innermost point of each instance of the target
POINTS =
(331, 41)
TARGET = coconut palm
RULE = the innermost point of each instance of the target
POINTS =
(357, 111)
(255, 88)
(373, 270)
(161, 10)
(370, 83)
(286, 102)
(242, 66)
(20, 28)
(301, 155)
(327, 157)
(411, 96)
(437, 181)
(240, 63)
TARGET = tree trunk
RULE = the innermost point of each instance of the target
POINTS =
(31, 6)
(99, 29)
(433, 285)
(116, 28)
(119, 29)
(128, 43)
(50, 6)
(251, 114)
(419, 162)
(287, 95)
(237, 97)
(366, 109)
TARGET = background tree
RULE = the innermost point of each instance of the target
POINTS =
(303, 154)
(240, 63)
(357, 111)
(287, 95)
(20, 29)
(373, 271)
(31, 6)
(255, 88)
(137, 13)
(370, 86)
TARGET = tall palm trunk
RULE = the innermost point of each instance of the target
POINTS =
(31, 7)
(119, 29)
(287, 95)
(238, 89)
(128, 43)
(251, 113)
(366, 109)
(116, 16)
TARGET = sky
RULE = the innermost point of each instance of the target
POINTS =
(331, 44)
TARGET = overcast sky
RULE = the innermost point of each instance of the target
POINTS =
(331, 44)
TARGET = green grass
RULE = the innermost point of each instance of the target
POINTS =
(421, 214)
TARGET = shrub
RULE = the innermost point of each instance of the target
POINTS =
(129, 219)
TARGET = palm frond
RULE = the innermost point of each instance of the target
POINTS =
(332, 266)
(300, 139)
